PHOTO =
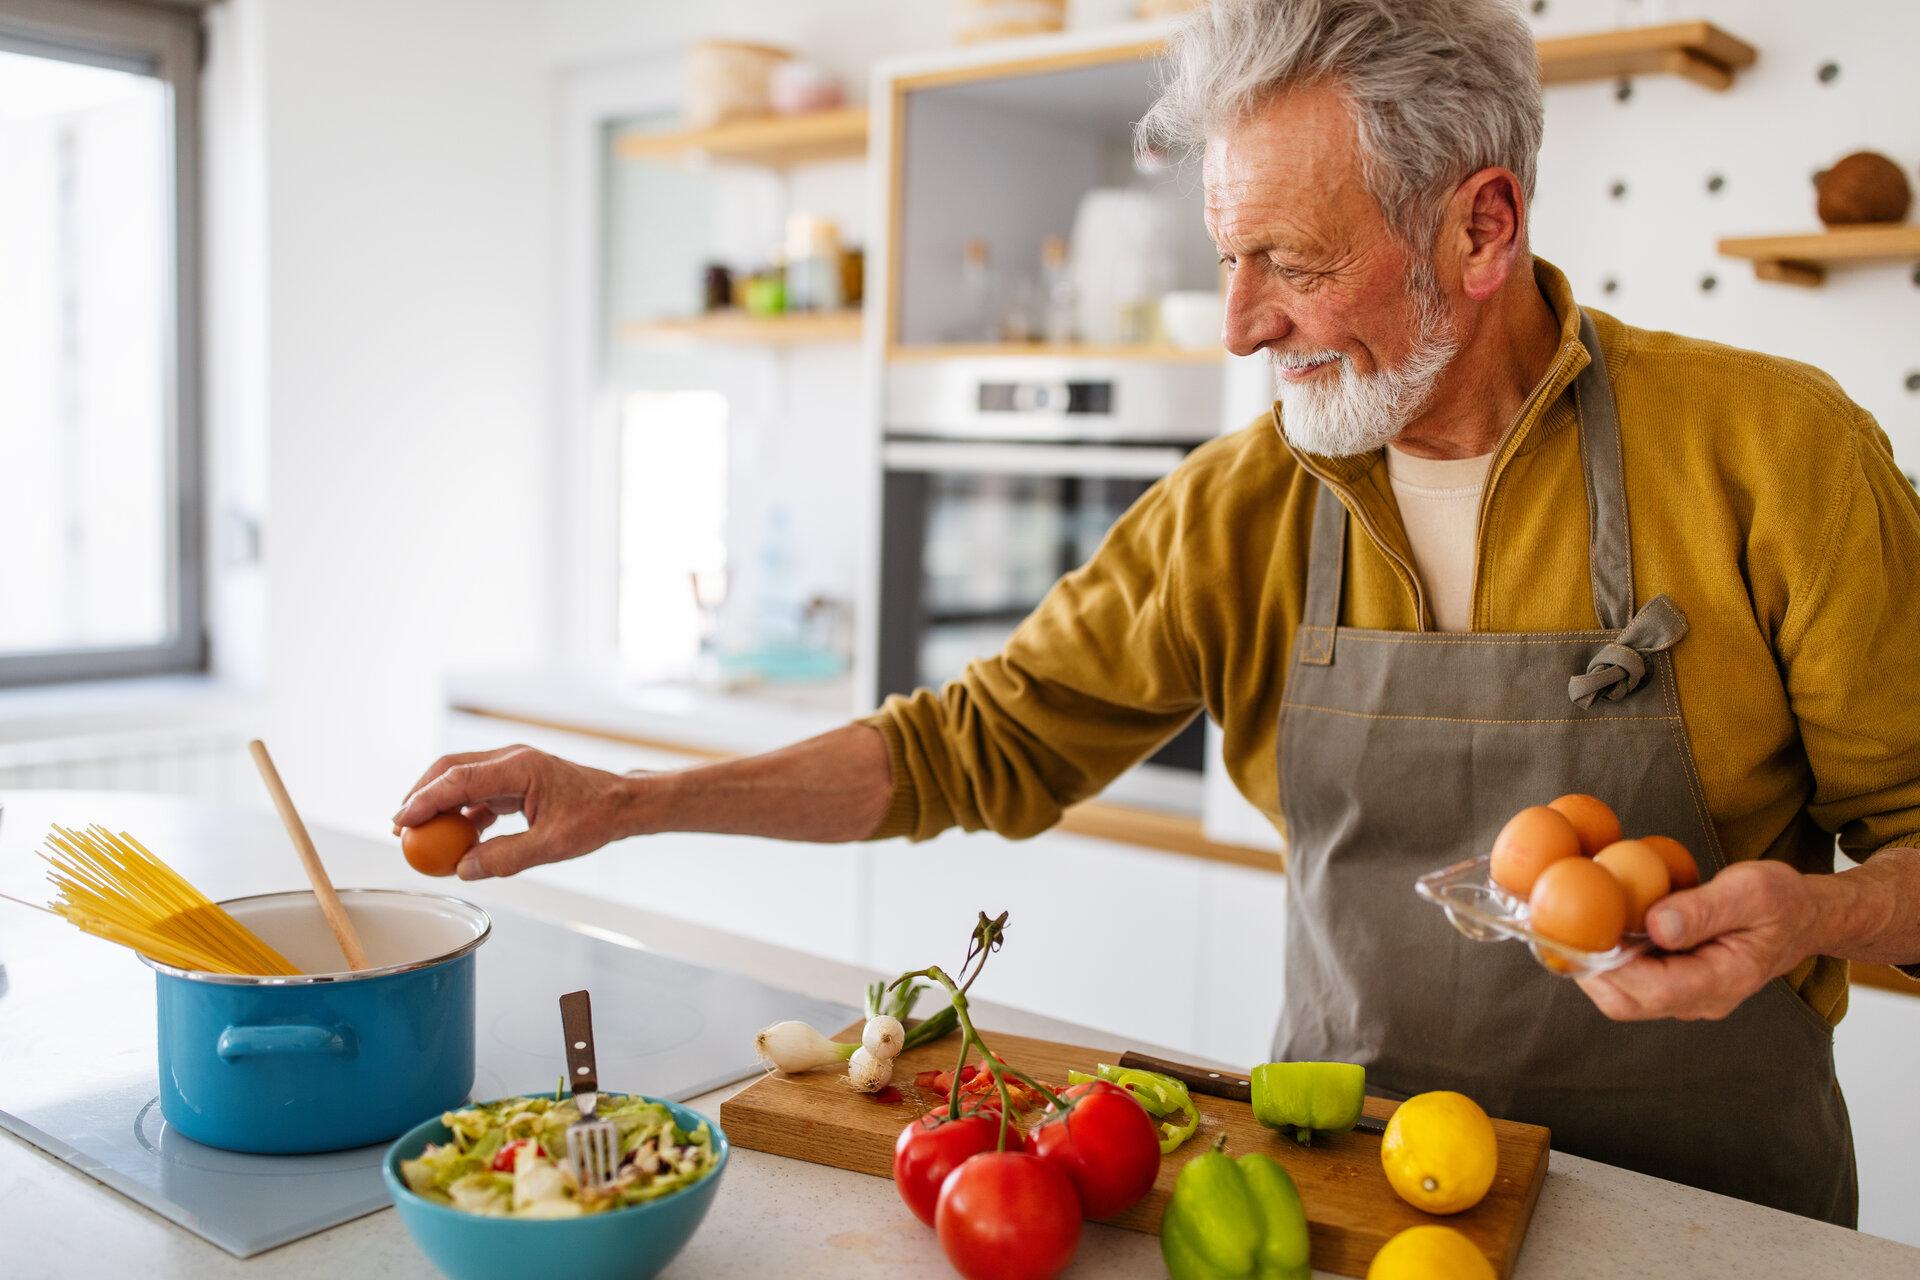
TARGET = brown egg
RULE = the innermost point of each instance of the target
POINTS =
(434, 848)
(1591, 819)
(1642, 872)
(1532, 840)
(1578, 903)
(1682, 871)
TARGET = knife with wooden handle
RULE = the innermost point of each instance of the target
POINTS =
(1218, 1084)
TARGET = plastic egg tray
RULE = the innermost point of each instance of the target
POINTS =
(1484, 912)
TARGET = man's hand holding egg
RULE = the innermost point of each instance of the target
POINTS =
(570, 809)
(1586, 887)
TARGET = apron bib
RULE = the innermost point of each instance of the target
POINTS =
(1402, 752)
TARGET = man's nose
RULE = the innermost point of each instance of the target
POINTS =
(1253, 316)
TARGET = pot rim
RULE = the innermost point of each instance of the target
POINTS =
(476, 915)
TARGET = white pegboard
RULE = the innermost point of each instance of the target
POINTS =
(1764, 138)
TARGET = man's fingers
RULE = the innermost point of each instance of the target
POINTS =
(474, 782)
(500, 856)
(1683, 920)
(1704, 984)
(437, 768)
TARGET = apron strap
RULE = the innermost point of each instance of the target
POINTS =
(1609, 551)
(1620, 666)
(1326, 551)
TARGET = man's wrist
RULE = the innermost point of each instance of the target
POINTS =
(1852, 910)
(644, 802)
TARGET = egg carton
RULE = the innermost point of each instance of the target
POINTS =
(1483, 911)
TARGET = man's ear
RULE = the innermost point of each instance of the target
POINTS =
(1482, 232)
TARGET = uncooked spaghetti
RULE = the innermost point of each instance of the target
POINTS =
(114, 888)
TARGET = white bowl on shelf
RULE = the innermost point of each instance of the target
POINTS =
(1191, 318)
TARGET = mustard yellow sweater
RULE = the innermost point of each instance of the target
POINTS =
(1762, 499)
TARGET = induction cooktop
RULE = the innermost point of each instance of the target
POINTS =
(77, 1075)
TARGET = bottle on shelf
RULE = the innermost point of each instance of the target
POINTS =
(1060, 301)
(813, 264)
(976, 320)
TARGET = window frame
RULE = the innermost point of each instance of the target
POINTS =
(164, 42)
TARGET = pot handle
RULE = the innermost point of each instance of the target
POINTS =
(279, 1041)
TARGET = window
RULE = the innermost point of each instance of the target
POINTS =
(100, 535)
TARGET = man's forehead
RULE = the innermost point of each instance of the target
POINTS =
(1294, 160)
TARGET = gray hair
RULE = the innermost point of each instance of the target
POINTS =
(1439, 89)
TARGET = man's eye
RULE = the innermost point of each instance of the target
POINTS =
(1228, 261)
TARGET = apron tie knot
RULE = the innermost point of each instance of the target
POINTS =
(1621, 665)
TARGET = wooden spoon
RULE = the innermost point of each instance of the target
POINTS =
(310, 859)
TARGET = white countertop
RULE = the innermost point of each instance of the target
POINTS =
(782, 1217)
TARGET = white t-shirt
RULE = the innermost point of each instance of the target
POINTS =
(1440, 506)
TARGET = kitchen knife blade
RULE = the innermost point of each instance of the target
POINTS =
(1218, 1084)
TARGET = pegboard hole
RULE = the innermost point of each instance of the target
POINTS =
(1716, 183)
(1618, 190)
(1539, 7)
(1818, 174)
(1709, 282)
(1913, 381)
(1623, 90)
(1916, 277)
(1828, 72)
(1610, 285)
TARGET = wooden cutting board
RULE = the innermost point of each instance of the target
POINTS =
(1351, 1211)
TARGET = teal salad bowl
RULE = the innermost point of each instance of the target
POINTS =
(629, 1243)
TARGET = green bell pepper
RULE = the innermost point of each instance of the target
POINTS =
(1234, 1219)
(1306, 1100)
(1162, 1096)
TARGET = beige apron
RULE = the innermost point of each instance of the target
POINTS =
(1402, 752)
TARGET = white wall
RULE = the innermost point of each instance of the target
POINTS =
(1765, 137)
(383, 212)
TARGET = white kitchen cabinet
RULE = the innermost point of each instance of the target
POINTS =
(1107, 931)
(1875, 1050)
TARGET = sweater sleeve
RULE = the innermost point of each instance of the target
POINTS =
(1093, 681)
(1850, 646)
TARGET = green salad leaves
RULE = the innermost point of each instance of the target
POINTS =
(509, 1159)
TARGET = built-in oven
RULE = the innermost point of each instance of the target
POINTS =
(1000, 475)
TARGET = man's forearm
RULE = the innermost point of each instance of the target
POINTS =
(829, 789)
(1872, 912)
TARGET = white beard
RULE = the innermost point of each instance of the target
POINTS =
(1354, 413)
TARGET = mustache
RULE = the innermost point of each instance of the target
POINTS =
(1302, 359)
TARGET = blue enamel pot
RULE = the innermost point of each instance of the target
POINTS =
(331, 1058)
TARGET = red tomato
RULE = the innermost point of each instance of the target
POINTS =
(1106, 1144)
(1007, 1215)
(934, 1146)
(503, 1158)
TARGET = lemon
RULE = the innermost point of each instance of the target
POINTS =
(1429, 1253)
(1439, 1152)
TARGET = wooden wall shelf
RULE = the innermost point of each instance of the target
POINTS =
(1698, 51)
(793, 329)
(1804, 259)
(1164, 352)
(777, 141)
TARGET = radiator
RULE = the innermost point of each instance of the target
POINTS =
(207, 763)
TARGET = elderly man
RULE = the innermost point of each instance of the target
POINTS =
(1489, 547)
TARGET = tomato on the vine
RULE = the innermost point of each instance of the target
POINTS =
(1104, 1142)
(1008, 1215)
(934, 1146)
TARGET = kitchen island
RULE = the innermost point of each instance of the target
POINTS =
(775, 1216)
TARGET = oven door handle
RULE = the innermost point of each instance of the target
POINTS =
(1077, 461)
